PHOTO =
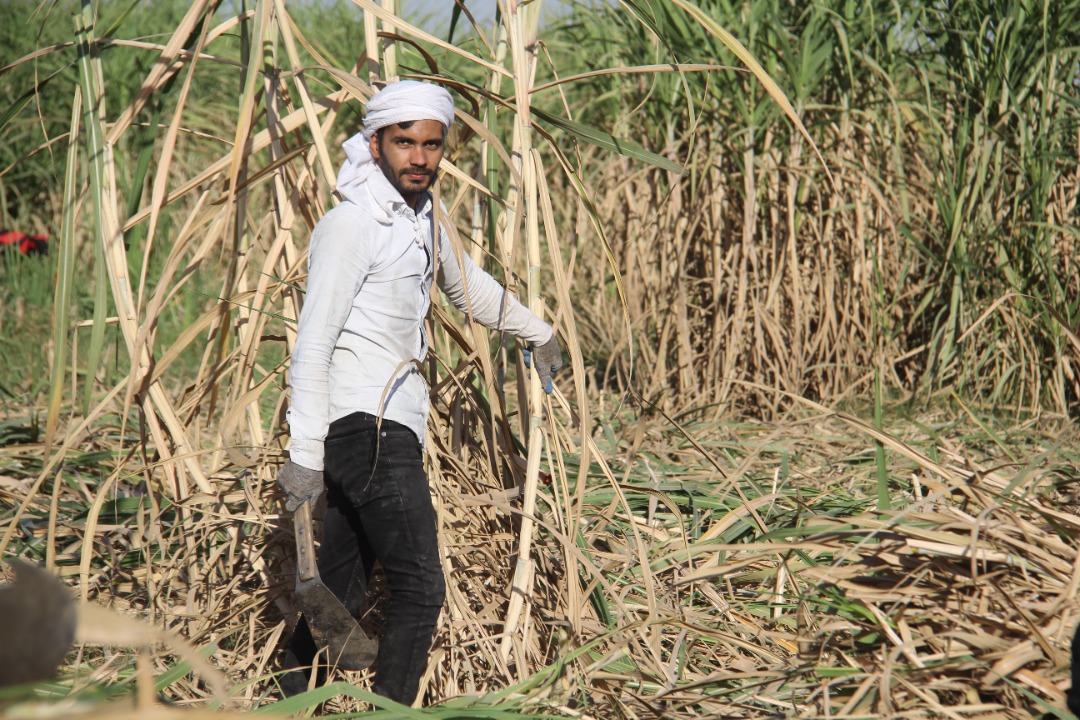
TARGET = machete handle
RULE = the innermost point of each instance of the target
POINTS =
(305, 542)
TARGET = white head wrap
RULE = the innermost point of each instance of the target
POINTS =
(402, 101)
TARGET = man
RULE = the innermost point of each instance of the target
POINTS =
(359, 402)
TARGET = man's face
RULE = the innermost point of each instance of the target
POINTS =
(409, 157)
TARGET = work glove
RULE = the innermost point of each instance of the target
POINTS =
(299, 483)
(548, 359)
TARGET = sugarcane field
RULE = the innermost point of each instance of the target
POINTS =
(543, 359)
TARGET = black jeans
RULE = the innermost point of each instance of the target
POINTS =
(379, 508)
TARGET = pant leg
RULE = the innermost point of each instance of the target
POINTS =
(397, 520)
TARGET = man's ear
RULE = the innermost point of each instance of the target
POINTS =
(373, 144)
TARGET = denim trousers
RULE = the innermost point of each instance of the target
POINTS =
(378, 508)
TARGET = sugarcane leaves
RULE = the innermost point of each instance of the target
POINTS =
(608, 141)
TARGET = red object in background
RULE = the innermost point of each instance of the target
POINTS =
(25, 244)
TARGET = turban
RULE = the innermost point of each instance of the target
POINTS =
(402, 101)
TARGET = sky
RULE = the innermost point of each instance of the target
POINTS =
(435, 14)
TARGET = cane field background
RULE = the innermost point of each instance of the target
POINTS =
(814, 264)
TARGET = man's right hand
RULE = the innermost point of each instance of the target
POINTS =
(300, 484)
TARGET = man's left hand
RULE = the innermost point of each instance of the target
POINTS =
(547, 359)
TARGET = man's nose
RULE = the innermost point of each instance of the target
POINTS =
(418, 157)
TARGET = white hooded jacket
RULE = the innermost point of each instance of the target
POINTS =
(361, 333)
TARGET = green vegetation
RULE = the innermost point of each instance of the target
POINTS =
(940, 257)
(815, 455)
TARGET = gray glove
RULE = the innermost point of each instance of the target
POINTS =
(300, 484)
(548, 359)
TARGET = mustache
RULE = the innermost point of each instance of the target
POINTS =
(418, 171)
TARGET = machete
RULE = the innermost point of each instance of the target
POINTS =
(331, 624)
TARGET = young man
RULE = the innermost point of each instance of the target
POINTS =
(359, 402)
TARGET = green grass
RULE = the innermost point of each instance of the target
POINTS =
(26, 289)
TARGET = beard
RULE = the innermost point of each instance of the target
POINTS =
(405, 185)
